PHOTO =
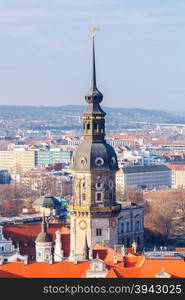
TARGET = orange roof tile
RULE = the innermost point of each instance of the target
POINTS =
(176, 167)
(44, 270)
(111, 274)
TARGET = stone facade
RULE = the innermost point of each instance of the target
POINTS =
(130, 225)
(8, 252)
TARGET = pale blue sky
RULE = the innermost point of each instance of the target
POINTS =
(46, 52)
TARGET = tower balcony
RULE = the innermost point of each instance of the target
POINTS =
(94, 208)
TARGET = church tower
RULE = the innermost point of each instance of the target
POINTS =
(44, 244)
(93, 209)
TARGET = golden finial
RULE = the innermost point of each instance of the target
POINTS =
(94, 29)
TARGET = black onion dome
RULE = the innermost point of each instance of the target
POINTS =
(94, 156)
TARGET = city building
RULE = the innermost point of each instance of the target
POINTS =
(130, 225)
(143, 177)
(43, 158)
(17, 161)
(8, 251)
(177, 175)
(48, 205)
(5, 177)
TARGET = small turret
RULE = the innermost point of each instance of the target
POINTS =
(44, 243)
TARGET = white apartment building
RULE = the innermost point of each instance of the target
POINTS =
(177, 176)
(139, 157)
(17, 161)
(143, 177)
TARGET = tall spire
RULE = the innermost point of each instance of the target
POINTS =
(44, 224)
(93, 76)
(93, 95)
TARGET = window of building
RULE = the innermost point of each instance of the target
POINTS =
(99, 161)
(95, 126)
(110, 196)
(98, 232)
(122, 227)
(99, 185)
(127, 227)
(25, 244)
(99, 197)
(138, 241)
(88, 126)
(83, 196)
(83, 184)
(137, 225)
(128, 242)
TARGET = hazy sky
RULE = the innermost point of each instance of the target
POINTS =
(45, 52)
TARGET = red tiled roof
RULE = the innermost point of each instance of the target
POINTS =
(112, 274)
(28, 233)
(44, 270)
(176, 167)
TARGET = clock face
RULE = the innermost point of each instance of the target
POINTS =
(82, 224)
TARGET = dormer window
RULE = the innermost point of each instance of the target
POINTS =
(99, 161)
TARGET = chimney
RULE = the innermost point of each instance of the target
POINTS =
(51, 260)
(1, 260)
(75, 260)
(25, 260)
(124, 261)
(115, 258)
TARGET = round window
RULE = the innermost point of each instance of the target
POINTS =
(99, 185)
(99, 161)
(83, 161)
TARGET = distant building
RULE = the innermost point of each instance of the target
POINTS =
(50, 157)
(5, 177)
(8, 252)
(130, 225)
(17, 161)
(143, 177)
(48, 205)
(177, 175)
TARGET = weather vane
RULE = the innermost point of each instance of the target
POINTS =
(94, 29)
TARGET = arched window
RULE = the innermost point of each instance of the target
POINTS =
(137, 225)
(122, 227)
(127, 227)
(88, 126)
(83, 196)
